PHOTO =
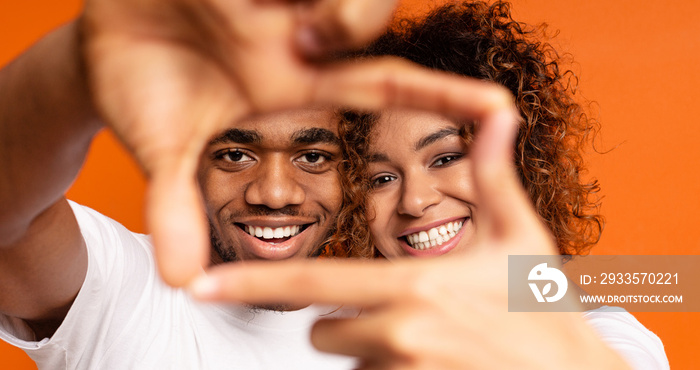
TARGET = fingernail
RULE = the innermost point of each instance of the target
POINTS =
(308, 41)
(204, 287)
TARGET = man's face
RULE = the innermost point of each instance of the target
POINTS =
(271, 186)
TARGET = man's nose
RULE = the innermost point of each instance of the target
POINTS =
(275, 185)
(419, 192)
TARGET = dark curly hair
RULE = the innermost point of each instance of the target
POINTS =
(483, 41)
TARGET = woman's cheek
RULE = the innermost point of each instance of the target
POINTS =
(379, 217)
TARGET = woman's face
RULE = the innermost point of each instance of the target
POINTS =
(422, 201)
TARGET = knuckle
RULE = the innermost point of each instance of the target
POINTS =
(403, 334)
(500, 97)
(420, 286)
(304, 278)
(390, 89)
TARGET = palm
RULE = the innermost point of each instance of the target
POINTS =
(188, 85)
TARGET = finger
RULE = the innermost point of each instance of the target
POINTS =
(350, 337)
(341, 24)
(346, 282)
(403, 334)
(506, 211)
(168, 146)
(375, 84)
(377, 336)
(178, 227)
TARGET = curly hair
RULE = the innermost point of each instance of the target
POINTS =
(483, 41)
(350, 236)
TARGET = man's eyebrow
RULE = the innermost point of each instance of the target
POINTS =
(315, 135)
(427, 140)
(239, 136)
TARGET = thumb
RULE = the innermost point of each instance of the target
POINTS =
(175, 217)
(504, 204)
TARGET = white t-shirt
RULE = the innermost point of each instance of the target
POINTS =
(641, 348)
(125, 317)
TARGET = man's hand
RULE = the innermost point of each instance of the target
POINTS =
(443, 313)
(168, 74)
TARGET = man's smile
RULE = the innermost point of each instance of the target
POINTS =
(275, 242)
(273, 235)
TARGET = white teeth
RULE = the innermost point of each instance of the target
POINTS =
(436, 236)
(433, 234)
(423, 237)
(267, 233)
(270, 233)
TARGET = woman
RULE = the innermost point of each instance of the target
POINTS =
(476, 40)
(416, 165)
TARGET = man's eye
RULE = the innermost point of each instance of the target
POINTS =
(315, 158)
(445, 160)
(234, 156)
(382, 180)
(314, 161)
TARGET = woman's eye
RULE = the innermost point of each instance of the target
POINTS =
(382, 180)
(445, 160)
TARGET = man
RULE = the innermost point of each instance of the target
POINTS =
(271, 186)
(80, 291)
(275, 178)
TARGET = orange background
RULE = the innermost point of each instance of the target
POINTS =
(635, 59)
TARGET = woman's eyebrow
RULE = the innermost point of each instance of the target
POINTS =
(427, 140)
(422, 143)
(377, 157)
